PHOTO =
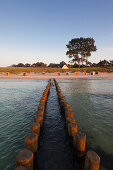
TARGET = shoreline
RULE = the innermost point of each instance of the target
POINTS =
(55, 75)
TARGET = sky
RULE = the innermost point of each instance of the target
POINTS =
(38, 30)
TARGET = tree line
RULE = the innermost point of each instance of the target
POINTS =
(101, 63)
(41, 64)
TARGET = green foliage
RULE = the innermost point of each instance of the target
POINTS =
(79, 49)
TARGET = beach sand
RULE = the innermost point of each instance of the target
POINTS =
(54, 75)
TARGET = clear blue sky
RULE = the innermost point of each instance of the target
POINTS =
(38, 30)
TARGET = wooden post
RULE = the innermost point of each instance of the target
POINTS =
(70, 120)
(41, 107)
(66, 104)
(25, 158)
(40, 113)
(68, 108)
(92, 161)
(42, 104)
(62, 101)
(35, 128)
(72, 129)
(69, 114)
(42, 101)
(31, 142)
(60, 95)
(44, 98)
(79, 140)
(39, 119)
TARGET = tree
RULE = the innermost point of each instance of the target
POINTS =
(111, 62)
(103, 63)
(53, 65)
(20, 65)
(27, 65)
(80, 49)
(61, 64)
(13, 65)
(39, 64)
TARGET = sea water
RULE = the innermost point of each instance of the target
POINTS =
(18, 104)
(90, 99)
(92, 103)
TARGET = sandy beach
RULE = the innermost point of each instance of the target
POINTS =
(55, 75)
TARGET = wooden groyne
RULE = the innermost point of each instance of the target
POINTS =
(27, 158)
(77, 138)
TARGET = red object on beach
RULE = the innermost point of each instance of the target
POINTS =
(25, 74)
(43, 73)
(67, 73)
(58, 74)
(76, 73)
(84, 73)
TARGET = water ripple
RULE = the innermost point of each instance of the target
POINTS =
(17, 108)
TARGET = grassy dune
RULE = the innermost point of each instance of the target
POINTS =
(51, 70)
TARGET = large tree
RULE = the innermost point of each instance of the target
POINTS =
(79, 49)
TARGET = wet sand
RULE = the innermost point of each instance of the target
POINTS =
(54, 75)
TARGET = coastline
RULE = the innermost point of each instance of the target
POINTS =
(55, 75)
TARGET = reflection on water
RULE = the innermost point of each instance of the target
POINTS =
(18, 103)
(92, 102)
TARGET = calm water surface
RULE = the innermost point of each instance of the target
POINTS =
(91, 101)
(18, 104)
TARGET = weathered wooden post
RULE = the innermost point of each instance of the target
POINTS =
(72, 129)
(68, 108)
(66, 104)
(39, 119)
(44, 98)
(92, 161)
(41, 107)
(31, 143)
(69, 120)
(40, 113)
(35, 128)
(69, 114)
(79, 140)
(42, 104)
(25, 158)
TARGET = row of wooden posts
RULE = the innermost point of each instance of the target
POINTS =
(26, 158)
(78, 139)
